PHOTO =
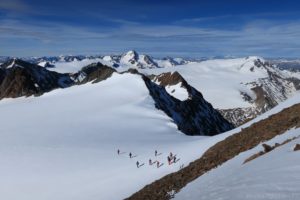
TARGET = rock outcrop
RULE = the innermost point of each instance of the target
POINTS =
(95, 72)
(20, 78)
(194, 115)
(269, 91)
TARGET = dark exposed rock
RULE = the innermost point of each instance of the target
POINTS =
(149, 61)
(254, 156)
(132, 71)
(95, 72)
(193, 116)
(239, 116)
(267, 148)
(297, 147)
(48, 65)
(269, 91)
(295, 81)
(170, 78)
(20, 78)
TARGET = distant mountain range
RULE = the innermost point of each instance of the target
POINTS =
(130, 58)
(134, 59)
(256, 86)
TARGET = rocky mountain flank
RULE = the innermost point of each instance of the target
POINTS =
(94, 73)
(193, 116)
(223, 151)
(276, 87)
(20, 78)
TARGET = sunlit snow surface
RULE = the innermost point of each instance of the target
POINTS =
(63, 144)
(219, 80)
(274, 175)
(76, 65)
(177, 91)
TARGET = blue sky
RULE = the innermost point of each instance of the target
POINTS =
(157, 27)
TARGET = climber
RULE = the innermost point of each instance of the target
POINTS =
(169, 160)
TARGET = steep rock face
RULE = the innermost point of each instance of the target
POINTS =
(148, 61)
(268, 91)
(273, 89)
(239, 116)
(169, 78)
(194, 115)
(20, 78)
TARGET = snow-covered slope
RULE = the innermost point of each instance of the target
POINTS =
(171, 62)
(241, 88)
(193, 115)
(238, 144)
(274, 175)
(238, 87)
(220, 78)
(63, 144)
(242, 83)
(73, 66)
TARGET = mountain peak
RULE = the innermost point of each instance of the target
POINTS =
(130, 57)
(131, 54)
(14, 62)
